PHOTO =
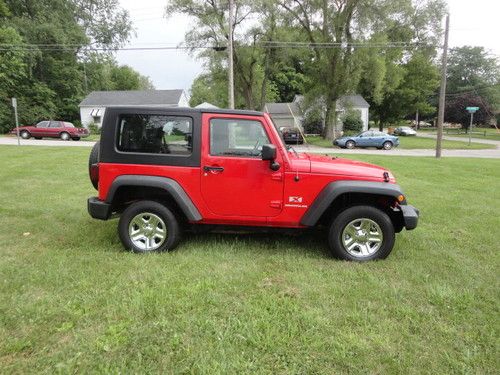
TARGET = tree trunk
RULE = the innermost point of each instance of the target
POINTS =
(330, 130)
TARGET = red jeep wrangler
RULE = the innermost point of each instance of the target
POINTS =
(166, 169)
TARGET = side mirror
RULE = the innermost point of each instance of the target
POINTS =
(268, 152)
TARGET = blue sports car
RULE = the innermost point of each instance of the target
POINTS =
(369, 138)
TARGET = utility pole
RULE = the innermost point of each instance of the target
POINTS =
(14, 105)
(442, 91)
(230, 58)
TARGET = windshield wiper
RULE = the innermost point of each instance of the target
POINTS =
(288, 147)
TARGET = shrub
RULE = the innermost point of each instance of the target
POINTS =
(313, 122)
(352, 121)
(93, 128)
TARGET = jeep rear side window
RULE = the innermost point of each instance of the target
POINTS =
(235, 137)
(155, 134)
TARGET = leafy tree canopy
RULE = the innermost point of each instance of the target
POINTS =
(45, 62)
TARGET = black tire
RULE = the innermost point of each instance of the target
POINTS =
(173, 233)
(76, 138)
(387, 145)
(65, 136)
(24, 134)
(352, 215)
(94, 159)
(350, 145)
(37, 137)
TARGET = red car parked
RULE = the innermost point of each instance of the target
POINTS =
(52, 129)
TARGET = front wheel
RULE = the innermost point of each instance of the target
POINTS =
(350, 145)
(387, 145)
(361, 233)
(148, 226)
(25, 134)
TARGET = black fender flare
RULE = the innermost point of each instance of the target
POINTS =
(334, 189)
(167, 184)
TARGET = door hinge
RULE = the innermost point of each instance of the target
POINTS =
(277, 176)
(276, 204)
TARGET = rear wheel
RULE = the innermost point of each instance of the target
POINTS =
(64, 136)
(25, 134)
(148, 226)
(350, 144)
(361, 233)
(387, 145)
(94, 159)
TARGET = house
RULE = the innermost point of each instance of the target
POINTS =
(285, 114)
(293, 113)
(92, 108)
(206, 105)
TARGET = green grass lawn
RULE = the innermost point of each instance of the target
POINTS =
(412, 143)
(479, 133)
(92, 137)
(71, 300)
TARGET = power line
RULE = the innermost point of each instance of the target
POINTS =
(266, 44)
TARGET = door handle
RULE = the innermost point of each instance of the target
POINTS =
(213, 169)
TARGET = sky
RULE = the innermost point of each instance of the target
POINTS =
(471, 23)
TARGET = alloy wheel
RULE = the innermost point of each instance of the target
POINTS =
(147, 231)
(362, 237)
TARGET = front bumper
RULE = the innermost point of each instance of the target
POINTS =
(98, 209)
(410, 216)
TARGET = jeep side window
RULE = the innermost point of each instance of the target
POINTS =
(235, 137)
(155, 134)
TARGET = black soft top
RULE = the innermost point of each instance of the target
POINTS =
(189, 110)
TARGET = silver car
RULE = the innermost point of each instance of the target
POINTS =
(404, 131)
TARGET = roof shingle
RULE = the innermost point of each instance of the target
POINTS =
(147, 97)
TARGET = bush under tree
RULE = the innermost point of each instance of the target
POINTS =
(352, 121)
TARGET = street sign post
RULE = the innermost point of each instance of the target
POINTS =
(471, 110)
(14, 105)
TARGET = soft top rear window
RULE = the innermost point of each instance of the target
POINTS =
(155, 134)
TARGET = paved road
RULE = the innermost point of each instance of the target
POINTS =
(491, 153)
(44, 142)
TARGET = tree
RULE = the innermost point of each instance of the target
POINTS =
(413, 92)
(44, 57)
(257, 75)
(343, 23)
(472, 74)
(455, 111)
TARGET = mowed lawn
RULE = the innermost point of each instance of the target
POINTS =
(414, 143)
(71, 300)
(479, 133)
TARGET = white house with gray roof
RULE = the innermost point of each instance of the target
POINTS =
(92, 108)
(292, 114)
